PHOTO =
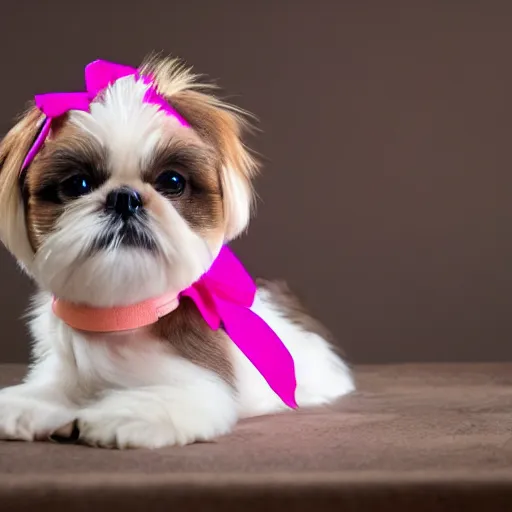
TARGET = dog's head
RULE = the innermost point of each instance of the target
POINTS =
(123, 202)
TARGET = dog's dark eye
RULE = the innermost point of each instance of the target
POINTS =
(171, 183)
(76, 186)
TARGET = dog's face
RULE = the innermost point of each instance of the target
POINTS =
(124, 203)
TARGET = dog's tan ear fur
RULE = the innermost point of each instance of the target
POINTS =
(13, 150)
(221, 125)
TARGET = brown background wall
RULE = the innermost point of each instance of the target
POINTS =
(386, 126)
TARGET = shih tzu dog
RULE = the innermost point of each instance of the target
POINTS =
(119, 202)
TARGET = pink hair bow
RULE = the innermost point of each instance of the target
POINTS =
(98, 76)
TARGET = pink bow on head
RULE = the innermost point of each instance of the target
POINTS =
(224, 296)
(98, 76)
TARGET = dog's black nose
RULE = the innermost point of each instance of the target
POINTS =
(124, 201)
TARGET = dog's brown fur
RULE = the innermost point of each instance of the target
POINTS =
(189, 335)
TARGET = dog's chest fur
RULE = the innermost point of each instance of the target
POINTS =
(178, 344)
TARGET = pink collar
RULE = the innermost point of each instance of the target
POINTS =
(115, 319)
(223, 296)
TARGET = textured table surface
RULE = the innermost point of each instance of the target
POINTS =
(422, 437)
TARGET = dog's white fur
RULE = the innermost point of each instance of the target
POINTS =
(129, 389)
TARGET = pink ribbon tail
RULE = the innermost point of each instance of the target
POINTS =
(224, 296)
(261, 345)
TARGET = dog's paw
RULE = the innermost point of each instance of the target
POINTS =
(28, 419)
(106, 431)
(147, 420)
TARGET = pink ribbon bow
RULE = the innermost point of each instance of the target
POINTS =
(224, 296)
(98, 76)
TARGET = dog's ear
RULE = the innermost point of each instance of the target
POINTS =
(223, 129)
(13, 150)
(222, 126)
